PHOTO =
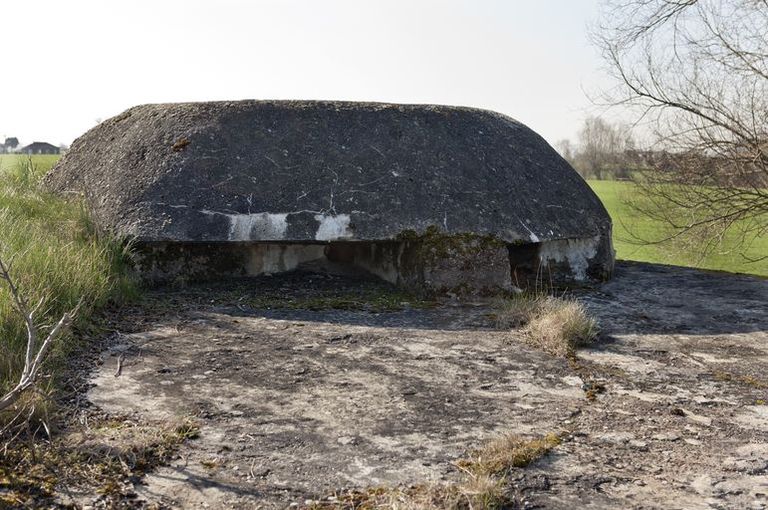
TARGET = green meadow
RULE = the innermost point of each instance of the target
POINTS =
(630, 228)
(13, 162)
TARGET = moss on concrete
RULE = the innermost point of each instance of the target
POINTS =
(434, 245)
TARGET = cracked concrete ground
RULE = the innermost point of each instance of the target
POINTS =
(296, 404)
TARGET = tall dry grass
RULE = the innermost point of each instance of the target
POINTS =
(555, 324)
(57, 256)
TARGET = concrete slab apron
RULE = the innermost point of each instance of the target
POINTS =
(298, 409)
(295, 406)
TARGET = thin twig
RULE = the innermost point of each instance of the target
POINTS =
(34, 355)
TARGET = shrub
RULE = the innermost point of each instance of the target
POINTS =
(557, 325)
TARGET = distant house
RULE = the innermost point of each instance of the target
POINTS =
(40, 148)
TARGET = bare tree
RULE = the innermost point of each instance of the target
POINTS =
(565, 148)
(595, 146)
(11, 143)
(35, 350)
(602, 148)
(696, 72)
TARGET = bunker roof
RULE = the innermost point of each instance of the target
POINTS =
(316, 171)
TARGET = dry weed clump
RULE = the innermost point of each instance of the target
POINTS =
(507, 452)
(557, 325)
(475, 492)
(483, 484)
(103, 458)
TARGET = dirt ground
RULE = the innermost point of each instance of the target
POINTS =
(305, 385)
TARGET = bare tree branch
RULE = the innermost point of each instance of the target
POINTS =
(34, 355)
(696, 71)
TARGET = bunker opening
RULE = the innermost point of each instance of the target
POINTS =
(465, 264)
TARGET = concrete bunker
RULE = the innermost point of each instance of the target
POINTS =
(439, 198)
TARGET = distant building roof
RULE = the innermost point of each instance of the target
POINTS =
(40, 148)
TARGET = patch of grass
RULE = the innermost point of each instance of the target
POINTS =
(557, 325)
(749, 380)
(103, 458)
(187, 430)
(516, 311)
(628, 224)
(481, 492)
(561, 325)
(483, 484)
(59, 258)
(14, 164)
(507, 452)
(210, 464)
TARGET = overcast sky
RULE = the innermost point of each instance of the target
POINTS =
(70, 63)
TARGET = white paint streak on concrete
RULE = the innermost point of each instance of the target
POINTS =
(257, 226)
(575, 252)
(273, 227)
(333, 227)
(531, 235)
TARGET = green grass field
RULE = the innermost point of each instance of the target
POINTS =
(41, 162)
(629, 225)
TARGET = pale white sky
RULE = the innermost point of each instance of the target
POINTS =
(67, 64)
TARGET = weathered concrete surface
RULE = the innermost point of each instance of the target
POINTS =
(295, 404)
(299, 171)
(282, 171)
(191, 262)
